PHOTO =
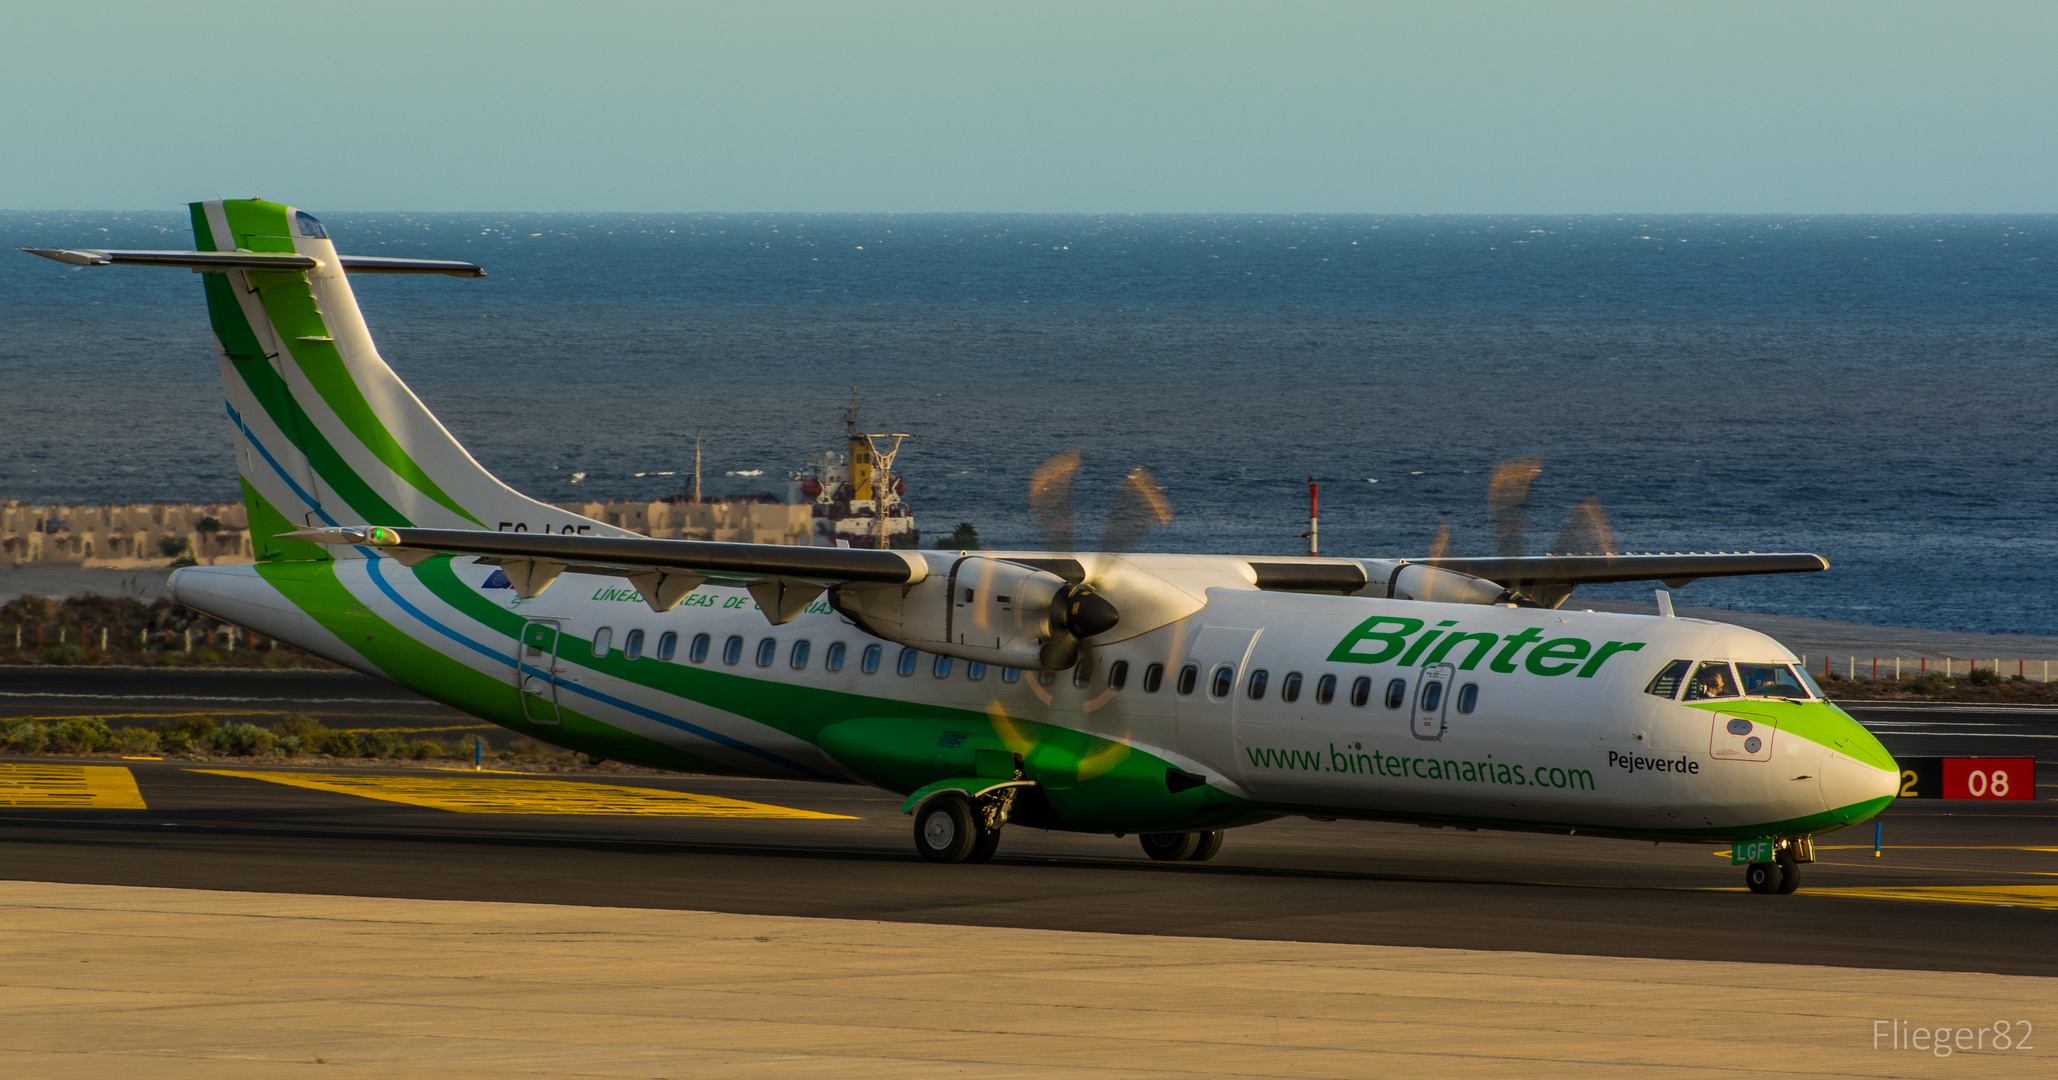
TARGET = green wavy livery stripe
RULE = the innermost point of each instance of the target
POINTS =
(266, 525)
(314, 588)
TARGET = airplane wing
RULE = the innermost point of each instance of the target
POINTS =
(204, 261)
(1675, 570)
(783, 579)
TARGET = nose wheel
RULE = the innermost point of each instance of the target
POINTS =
(1782, 876)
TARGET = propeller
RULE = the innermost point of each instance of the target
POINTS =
(1586, 530)
(1139, 505)
(1079, 612)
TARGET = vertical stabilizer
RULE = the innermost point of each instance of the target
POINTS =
(326, 433)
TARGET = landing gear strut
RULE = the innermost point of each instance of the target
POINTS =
(1182, 847)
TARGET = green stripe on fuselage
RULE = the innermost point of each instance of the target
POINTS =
(315, 589)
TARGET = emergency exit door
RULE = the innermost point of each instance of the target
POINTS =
(538, 671)
(1433, 700)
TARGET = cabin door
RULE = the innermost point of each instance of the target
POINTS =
(538, 670)
(1433, 700)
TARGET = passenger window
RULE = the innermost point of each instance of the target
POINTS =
(832, 660)
(1468, 697)
(906, 664)
(941, 667)
(869, 662)
(667, 645)
(798, 657)
(1361, 691)
(1432, 695)
(1665, 683)
(1188, 675)
(1222, 681)
(1153, 678)
(766, 650)
(975, 671)
(1290, 687)
(1255, 685)
(1082, 673)
(1325, 689)
(1712, 679)
(732, 651)
(1047, 678)
(602, 638)
(632, 645)
(1396, 693)
(1118, 675)
(697, 652)
(1010, 674)
(1770, 680)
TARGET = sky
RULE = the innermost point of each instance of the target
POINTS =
(1046, 106)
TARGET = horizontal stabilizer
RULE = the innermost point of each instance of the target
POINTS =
(253, 260)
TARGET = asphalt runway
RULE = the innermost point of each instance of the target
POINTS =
(1962, 886)
(143, 697)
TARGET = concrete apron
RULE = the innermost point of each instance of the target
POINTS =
(114, 980)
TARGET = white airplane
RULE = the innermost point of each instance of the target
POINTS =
(1170, 696)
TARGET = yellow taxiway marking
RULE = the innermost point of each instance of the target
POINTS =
(2031, 896)
(496, 796)
(93, 787)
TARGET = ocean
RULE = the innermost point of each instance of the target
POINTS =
(1876, 389)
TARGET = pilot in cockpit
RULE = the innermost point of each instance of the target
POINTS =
(1712, 680)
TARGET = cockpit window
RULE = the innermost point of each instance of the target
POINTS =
(309, 227)
(1771, 680)
(1712, 679)
(1666, 683)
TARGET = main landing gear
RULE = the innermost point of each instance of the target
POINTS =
(950, 828)
(1782, 876)
(1182, 846)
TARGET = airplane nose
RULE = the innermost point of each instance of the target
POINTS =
(1855, 790)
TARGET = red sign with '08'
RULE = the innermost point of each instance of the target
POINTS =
(1990, 778)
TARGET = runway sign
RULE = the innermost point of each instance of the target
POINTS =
(1984, 779)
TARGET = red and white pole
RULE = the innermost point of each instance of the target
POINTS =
(1314, 518)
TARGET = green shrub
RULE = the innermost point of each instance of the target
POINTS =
(301, 726)
(339, 744)
(172, 546)
(378, 744)
(63, 655)
(80, 735)
(425, 749)
(242, 740)
(25, 736)
(1982, 676)
(180, 735)
(133, 740)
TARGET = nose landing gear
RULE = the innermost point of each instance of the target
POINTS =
(1783, 874)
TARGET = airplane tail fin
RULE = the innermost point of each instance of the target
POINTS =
(326, 433)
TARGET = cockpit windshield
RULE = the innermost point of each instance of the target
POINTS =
(309, 227)
(1712, 679)
(1772, 680)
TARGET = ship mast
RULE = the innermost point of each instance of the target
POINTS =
(882, 479)
(696, 466)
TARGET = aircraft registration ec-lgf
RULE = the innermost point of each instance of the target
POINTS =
(1170, 696)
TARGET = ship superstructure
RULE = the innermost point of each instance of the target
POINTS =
(856, 499)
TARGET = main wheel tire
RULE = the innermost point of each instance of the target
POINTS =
(984, 847)
(1762, 877)
(1170, 846)
(1210, 843)
(1789, 874)
(944, 829)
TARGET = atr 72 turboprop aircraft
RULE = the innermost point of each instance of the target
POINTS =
(1171, 696)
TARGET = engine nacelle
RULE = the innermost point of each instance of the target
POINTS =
(1415, 581)
(989, 610)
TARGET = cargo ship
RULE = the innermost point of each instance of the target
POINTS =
(854, 496)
